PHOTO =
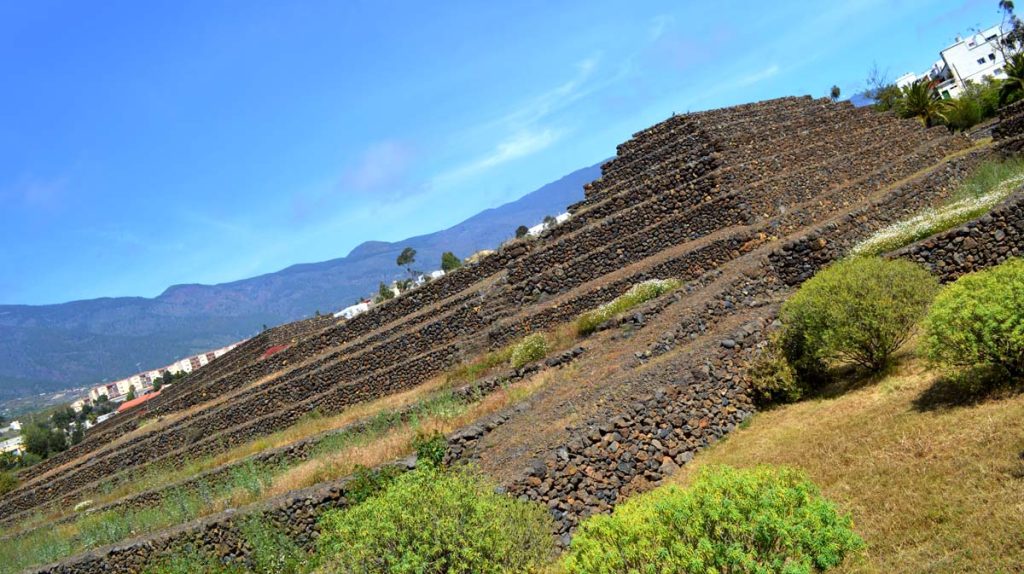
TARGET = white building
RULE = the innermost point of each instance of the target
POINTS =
(353, 310)
(143, 381)
(12, 445)
(970, 59)
(540, 227)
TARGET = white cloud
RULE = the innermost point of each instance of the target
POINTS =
(757, 77)
(381, 166)
(519, 145)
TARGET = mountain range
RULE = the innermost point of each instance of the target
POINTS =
(54, 347)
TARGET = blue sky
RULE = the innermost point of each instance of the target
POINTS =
(144, 144)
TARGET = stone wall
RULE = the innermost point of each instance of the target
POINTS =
(979, 244)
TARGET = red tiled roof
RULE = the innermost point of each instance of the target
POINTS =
(274, 349)
(135, 402)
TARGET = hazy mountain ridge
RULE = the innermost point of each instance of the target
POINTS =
(52, 347)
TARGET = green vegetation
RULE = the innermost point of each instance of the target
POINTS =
(531, 348)
(773, 379)
(450, 262)
(384, 292)
(760, 520)
(367, 483)
(988, 185)
(588, 322)
(430, 448)
(978, 321)
(406, 258)
(7, 482)
(521, 231)
(270, 552)
(436, 521)
(859, 310)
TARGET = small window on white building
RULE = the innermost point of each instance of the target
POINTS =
(991, 57)
(981, 60)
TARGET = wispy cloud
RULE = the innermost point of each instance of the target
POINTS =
(381, 166)
(757, 77)
(518, 145)
(38, 194)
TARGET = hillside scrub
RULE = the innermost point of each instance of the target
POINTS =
(859, 310)
(773, 379)
(761, 520)
(436, 521)
(978, 321)
(988, 185)
(7, 482)
(588, 322)
(931, 490)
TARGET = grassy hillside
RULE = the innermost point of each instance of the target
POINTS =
(933, 476)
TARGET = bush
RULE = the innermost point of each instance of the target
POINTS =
(979, 321)
(773, 379)
(430, 447)
(859, 310)
(760, 520)
(7, 482)
(434, 521)
(588, 322)
(367, 483)
(271, 550)
(531, 348)
(190, 561)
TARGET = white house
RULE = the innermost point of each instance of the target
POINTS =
(970, 59)
(353, 310)
(12, 445)
(540, 227)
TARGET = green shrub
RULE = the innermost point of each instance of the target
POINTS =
(271, 551)
(367, 483)
(530, 348)
(859, 310)
(8, 482)
(434, 521)
(190, 561)
(761, 520)
(588, 322)
(979, 321)
(773, 379)
(430, 447)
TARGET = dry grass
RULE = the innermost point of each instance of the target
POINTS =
(397, 442)
(930, 489)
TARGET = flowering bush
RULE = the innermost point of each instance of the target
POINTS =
(637, 294)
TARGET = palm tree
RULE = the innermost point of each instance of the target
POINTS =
(919, 100)
(1013, 86)
(960, 113)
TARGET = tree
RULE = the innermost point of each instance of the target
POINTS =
(521, 231)
(449, 262)
(78, 434)
(1013, 30)
(57, 441)
(131, 393)
(1013, 86)
(36, 438)
(384, 292)
(406, 258)
(921, 101)
(834, 93)
(548, 221)
(62, 417)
